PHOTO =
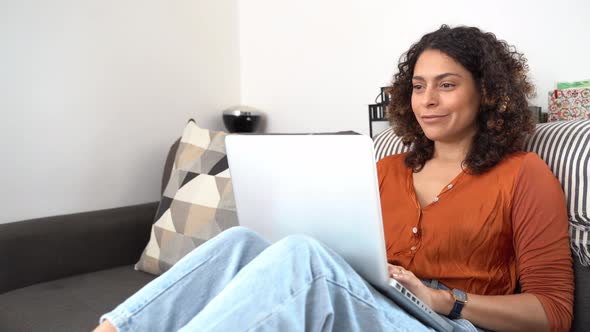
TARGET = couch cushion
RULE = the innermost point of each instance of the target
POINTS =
(388, 143)
(581, 321)
(69, 304)
(197, 203)
(564, 147)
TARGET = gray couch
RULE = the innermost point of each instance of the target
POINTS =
(60, 273)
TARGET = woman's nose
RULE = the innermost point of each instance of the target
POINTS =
(430, 97)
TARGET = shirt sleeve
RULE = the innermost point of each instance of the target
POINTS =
(541, 242)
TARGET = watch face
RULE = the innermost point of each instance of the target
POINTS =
(460, 295)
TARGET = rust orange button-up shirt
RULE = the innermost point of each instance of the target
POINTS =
(485, 233)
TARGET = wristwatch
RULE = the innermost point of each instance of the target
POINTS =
(460, 300)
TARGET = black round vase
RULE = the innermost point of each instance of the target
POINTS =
(236, 121)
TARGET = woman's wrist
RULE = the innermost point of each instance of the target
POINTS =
(442, 301)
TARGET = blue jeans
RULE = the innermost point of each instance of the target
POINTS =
(239, 282)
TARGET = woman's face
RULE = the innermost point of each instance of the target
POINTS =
(445, 99)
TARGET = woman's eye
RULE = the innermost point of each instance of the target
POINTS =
(417, 87)
(447, 85)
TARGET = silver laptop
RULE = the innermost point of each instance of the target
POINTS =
(324, 186)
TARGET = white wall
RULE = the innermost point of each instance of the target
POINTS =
(93, 92)
(315, 65)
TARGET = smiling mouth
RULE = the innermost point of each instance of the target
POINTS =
(433, 116)
(433, 119)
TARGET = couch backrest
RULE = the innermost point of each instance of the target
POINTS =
(565, 147)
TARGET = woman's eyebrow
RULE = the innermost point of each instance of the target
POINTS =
(437, 77)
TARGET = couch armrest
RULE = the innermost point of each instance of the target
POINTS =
(37, 250)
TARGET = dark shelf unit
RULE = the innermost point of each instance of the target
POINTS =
(377, 111)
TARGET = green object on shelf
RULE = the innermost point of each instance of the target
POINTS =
(569, 85)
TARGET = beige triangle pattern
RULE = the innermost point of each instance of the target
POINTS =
(226, 219)
(227, 201)
(206, 162)
(200, 217)
(181, 212)
(224, 174)
(218, 142)
(195, 135)
(173, 185)
(158, 233)
(221, 184)
(201, 190)
(165, 222)
(149, 264)
(152, 249)
(208, 231)
(189, 155)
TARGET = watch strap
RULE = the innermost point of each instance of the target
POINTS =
(458, 305)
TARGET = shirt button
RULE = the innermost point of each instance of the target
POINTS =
(415, 230)
(436, 199)
(413, 248)
(450, 186)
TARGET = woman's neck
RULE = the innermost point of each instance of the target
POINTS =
(453, 152)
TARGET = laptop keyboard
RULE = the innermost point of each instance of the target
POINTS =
(410, 296)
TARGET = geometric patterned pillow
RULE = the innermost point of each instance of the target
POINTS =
(198, 201)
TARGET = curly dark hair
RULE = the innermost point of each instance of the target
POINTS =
(500, 74)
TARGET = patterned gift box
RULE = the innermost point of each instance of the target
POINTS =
(569, 104)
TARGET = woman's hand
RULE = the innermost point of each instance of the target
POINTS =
(439, 300)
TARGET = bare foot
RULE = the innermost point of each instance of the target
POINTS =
(106, 326)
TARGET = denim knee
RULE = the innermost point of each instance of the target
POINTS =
(301, 241)
(239, 233)
(309, 251)
(312, 258)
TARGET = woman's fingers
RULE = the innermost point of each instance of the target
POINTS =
(411, 282)
(406, 277)
(396, 270)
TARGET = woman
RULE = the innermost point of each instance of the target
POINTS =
(496, 234)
